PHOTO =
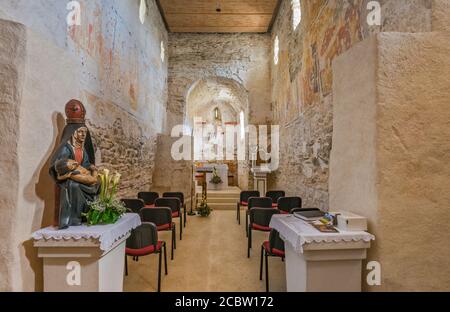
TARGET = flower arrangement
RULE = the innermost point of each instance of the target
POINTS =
(106, 208)
(215, 177)
(204, 210)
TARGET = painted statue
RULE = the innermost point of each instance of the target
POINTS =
(73, 167)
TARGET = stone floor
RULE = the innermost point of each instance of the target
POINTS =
(211, 257)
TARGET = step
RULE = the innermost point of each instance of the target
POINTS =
(219, 200)
(222, 206)
(221, 195)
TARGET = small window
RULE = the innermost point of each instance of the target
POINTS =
(142, 11)
(276, 50)
(163, 52)
(297, 13)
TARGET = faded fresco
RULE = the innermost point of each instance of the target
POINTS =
(302, 91)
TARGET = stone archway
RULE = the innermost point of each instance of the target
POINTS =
(219, 101)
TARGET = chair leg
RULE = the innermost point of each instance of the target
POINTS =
(175, 237)
(126, 265)
(185, 213)
(249, 238)
(261, 263)
(267, 271)
(181, 226)
(173, 243)
(165, 258)
(246, 221)
(239, 214)
(159, 271)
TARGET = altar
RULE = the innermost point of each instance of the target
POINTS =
(222, 172)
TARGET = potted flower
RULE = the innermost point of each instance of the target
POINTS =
(106, 208)
(204, 210)
(215, 180)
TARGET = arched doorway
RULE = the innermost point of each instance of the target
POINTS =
(220, 102)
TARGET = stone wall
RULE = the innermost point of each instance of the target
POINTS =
(227, 61)
(12, 70)
(240, 57)
(302, 82)
(390, 157)
(113, 64)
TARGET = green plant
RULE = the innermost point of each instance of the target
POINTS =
(106, 208)
(204, 210)
(216, 178)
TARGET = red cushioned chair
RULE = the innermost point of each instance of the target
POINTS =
(148, 198)
(286, 204)
(133, 205)
(162, 218)
(275, 195)
(144, 241)
(180, 196)
(257, 202)
(175, 206)
(274, 247)
(259, 221)
(243, 201)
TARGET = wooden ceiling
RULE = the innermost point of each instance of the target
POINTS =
(254, 16)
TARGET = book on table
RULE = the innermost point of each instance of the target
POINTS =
(310, 215)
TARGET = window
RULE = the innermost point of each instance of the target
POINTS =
(297, 13)
(242, 122)
(276, 50)
(163, 52)
(142, 11)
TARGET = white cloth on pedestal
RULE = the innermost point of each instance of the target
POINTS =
(298, 233)
(107, 235)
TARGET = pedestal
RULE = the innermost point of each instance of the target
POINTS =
(85, 259)
(260, 179)
(321, 262)
(325, 267)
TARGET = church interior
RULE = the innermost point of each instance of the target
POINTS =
(225, 145)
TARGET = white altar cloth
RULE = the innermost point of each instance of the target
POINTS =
(106, 234)
(222, 172)
(298, 233)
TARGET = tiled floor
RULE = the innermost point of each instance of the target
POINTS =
(211, 257)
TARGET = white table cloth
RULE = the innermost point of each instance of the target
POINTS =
(298, 233)
(106, 234)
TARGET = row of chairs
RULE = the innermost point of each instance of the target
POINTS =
(157, 215)
(258, 216)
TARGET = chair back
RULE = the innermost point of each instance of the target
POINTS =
(275, 241)
(135, 205)
(172, 202)
(259, 202)
(262, 216)
(275, 195)
(157, 215)
(178, 195)
(288, 203)
(148, 197)
(143, 236)
(245, 195)
(304, 209)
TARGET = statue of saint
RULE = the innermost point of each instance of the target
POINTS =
(73, 167)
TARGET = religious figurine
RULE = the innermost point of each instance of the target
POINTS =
(73, 167)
